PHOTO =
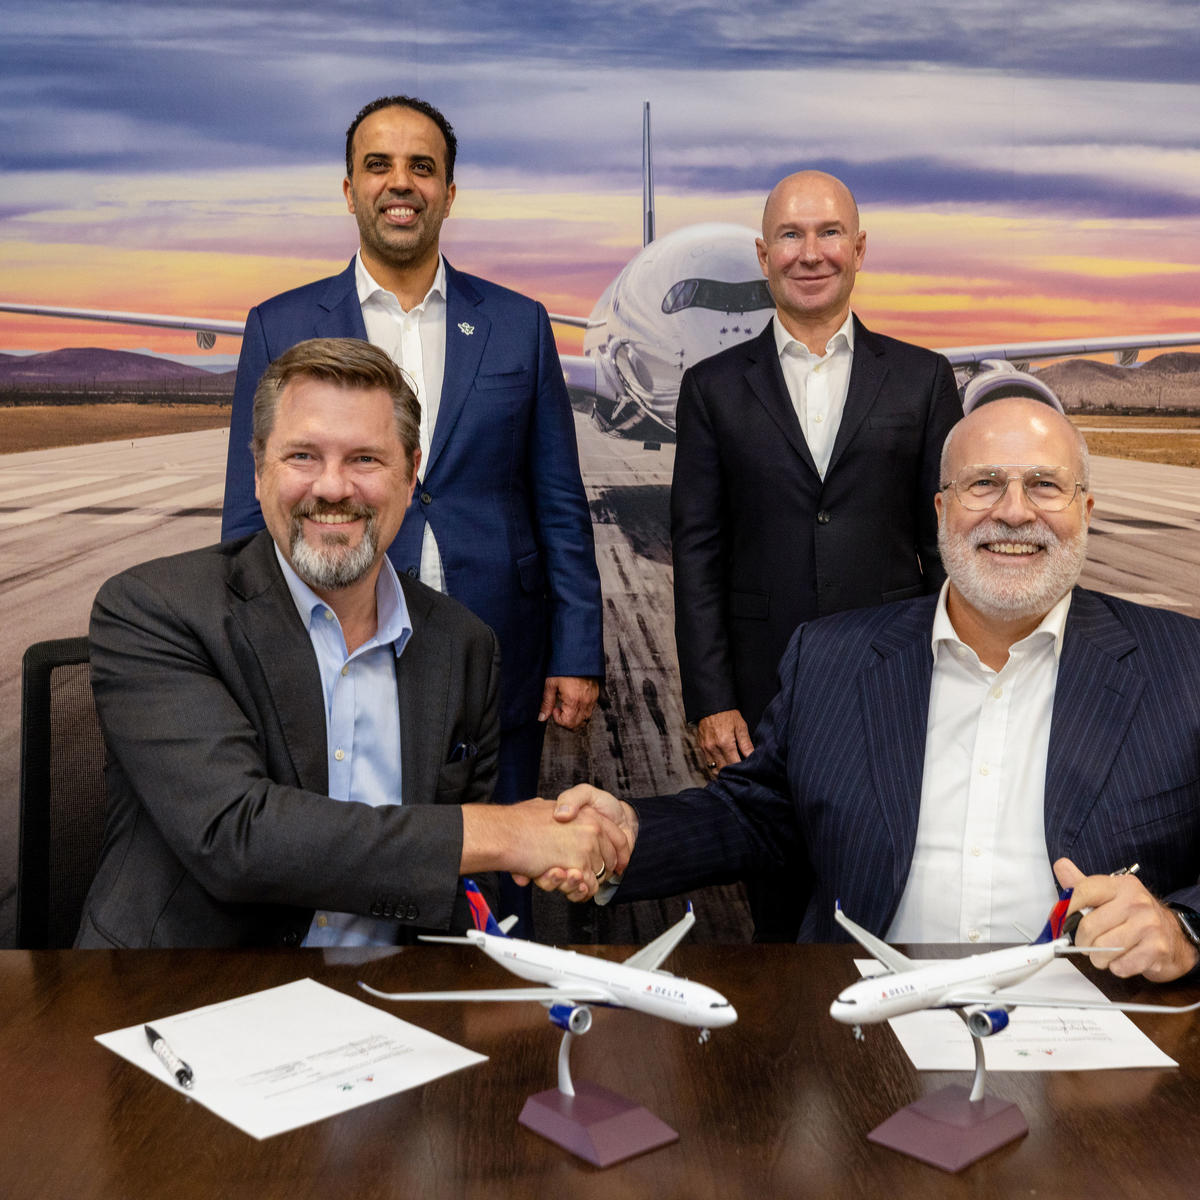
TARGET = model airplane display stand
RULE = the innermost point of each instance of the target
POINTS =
(953, 1127)
(590, 1121)
(585, 1119)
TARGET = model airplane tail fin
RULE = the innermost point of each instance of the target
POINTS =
(481, 915)
(1053, 928)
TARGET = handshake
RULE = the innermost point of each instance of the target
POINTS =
(570, 845)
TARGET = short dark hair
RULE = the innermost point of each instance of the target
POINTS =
(424, 108)
(347, 363)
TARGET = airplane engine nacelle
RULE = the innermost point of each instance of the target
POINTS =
(997, 379)
(574, 1018)
(983, 1022)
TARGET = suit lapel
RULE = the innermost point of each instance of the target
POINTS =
(867, 373)
(338, 312)
(894, 697)
(421, 691)
(467, 330)
(267, 617)
(1095, 698)
(764, 377)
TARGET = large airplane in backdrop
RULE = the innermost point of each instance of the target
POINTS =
(682, 297)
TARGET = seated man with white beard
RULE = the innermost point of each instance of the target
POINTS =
(936, 765)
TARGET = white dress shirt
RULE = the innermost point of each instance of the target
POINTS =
(817, 385)
(416, 341)
(980, 866)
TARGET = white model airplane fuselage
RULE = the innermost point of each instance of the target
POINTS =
(881, 997)
(977, 985)
(571, 974)
(571, 981)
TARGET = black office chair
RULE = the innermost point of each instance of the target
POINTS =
(62, 792)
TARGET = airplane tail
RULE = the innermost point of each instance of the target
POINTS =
(481, 914)
(1055, 922)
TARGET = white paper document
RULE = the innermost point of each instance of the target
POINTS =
(1037, 1039)
(276, 1060)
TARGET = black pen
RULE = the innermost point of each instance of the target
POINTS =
(169, 1059)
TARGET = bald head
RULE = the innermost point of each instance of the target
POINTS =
(1015, 430)
(809, 187)
(810, 251)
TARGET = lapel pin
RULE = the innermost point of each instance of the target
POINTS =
(466, 328)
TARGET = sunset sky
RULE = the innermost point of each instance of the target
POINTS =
(1025, 170)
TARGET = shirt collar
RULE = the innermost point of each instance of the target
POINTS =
(843, 339)
(1053, 626)
(394, 625)
(368, 289)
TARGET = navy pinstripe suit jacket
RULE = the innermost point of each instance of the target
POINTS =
(834, 786)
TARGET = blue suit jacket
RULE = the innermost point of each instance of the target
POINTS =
(833, 788)
(502, 489)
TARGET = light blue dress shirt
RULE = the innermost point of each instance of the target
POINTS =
(362, 724)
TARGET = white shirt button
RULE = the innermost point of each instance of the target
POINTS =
(973, 935)
(346, 669)
(997, 692)
(339, 754)
(984, 769)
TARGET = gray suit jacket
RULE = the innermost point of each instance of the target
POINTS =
(220, 831)
(832, 791)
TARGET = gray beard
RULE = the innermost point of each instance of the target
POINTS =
(333, 564)
(993, 595)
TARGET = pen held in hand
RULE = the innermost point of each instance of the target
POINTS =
(169, 1059)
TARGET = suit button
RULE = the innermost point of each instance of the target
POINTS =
(413, 912)
(823, 517)
(426, 498)
(291, 938)
(411, 572)
(377, 909)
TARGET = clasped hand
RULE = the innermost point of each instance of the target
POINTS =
(600, 830)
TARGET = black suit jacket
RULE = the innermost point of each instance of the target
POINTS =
(220, 831)
(832, 791)
(760, 542)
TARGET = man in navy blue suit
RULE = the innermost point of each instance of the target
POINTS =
(499, 519)
(940, 763)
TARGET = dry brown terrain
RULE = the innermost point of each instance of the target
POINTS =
(1180, 449)
(44, 427)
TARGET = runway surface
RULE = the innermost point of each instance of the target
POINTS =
(70, 518)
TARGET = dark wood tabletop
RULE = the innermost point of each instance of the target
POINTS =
(777, 1105)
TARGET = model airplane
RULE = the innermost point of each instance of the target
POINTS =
(977, 986)
(572, 982)
(681, 298)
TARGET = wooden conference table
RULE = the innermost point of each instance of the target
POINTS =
(777, 1105)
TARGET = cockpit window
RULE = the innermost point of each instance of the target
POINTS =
(720, 297)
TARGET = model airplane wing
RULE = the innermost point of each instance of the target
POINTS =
(652, 955)
(1010, 999)
(878, 948)
(581, 993)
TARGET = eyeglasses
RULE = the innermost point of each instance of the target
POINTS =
(1049, 488)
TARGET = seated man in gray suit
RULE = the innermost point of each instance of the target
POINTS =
(939, 763)
(300, 738)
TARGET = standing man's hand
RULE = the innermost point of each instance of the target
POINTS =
(1123, 913)
(569, 699)
(724, 738)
